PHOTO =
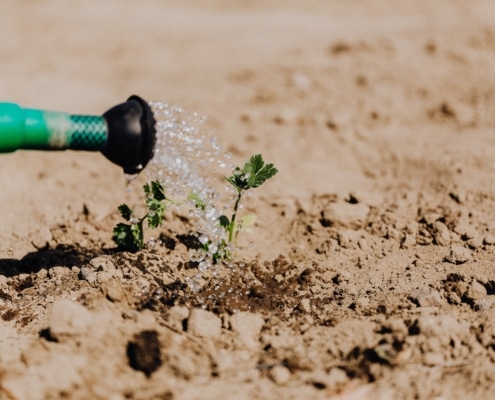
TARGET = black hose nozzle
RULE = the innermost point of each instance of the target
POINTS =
(131, 134)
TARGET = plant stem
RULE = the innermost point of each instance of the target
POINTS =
(234, 214)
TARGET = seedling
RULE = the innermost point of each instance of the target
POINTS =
(254, 173)
(130, 236)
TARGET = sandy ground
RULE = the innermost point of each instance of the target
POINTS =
(372, 274)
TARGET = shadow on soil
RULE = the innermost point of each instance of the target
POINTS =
(64, 255)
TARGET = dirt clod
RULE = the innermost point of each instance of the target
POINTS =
(144, 353)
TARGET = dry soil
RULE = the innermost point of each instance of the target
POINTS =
(372, 274)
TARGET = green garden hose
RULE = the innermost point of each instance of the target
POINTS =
(125, 134)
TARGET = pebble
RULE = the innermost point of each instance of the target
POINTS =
(247, 324)
(176, 317)
(458, 255)
(57, 272)
(204, 323)
(363, 244)
(280, 375)
(426, 297)
(113, 290)
(42, 274)
(88, 274)
(475, 243)
(349, 215)
(475, 292)
(102, 263)
(408, 241)
(305, 306)
(41, 238)
(441, 233)
(489, 239)
(466, 231)
(68, 318)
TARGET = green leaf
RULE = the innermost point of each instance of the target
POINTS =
(245, 222)
(257, 172)
(254, 174)
(156, 213)
(129, 236)
(125, 211)
(224, 222)
(158, 191)
(155, 190)
(198, 202)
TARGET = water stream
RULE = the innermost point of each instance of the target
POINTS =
(189, 161)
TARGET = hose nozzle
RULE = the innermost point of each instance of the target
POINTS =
(131, 135)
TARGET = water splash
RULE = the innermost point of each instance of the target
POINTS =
(189, 161)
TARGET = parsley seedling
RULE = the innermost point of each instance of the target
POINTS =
(130, 236)
(254, 173)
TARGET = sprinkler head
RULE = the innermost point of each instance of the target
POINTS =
(131, 134)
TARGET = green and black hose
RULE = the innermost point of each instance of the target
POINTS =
(125, 134)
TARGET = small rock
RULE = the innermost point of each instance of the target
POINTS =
(441, 233)
(113, 290)
(247, 324)
(424, 238)
(177, 316)
(41, 238)
(67, 319)
(75, 270)
(460, 288)
(337, 377)
(489, 239)
(425, 297)
(408, 241)
(348, 237)
(431, 218)
(484, 305)
(280, 375)
(363, 302)
(363, 244)
(352, 216)
(102, 263)
(42, 274)
(103, 276)
(304, 305)
(466, 231)
(87, 274)
(475, 243)
(475, 293)
(453, 298)
(203, 323)
(57, 272)
(458, 255)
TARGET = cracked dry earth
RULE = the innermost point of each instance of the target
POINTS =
(372, 274)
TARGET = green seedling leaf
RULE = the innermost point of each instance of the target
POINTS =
(224, 222)
(156, 213)
(129, 236)
(198, 202)
(245, 222)
(155, 190)
(253, 174)
(125, 211)
(256, 172)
